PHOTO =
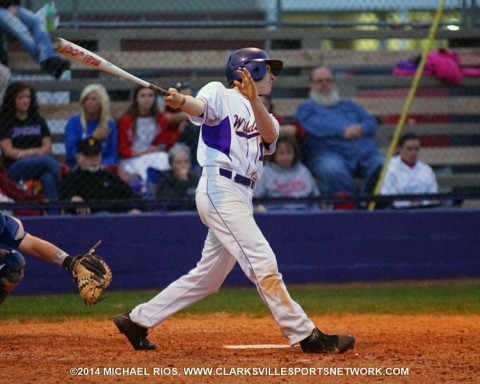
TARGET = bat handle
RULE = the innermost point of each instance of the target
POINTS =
(159, 90)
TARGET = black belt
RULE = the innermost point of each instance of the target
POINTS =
(237, 178)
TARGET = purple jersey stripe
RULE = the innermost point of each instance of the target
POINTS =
(247, 135)
(218, 136)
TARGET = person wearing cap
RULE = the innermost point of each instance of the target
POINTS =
(189, 135)
(90, 181)
(177, 127)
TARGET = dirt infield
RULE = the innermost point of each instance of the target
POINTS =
(390, 349)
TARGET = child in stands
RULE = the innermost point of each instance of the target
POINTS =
(285, 176)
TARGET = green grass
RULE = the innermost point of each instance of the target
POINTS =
(439, 299)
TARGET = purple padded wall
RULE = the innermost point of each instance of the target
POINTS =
(151, 250)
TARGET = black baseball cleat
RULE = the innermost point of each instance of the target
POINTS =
(319, 342)
(136, 334)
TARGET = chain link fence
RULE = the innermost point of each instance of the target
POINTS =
(372, 48)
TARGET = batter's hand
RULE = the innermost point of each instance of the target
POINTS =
(174, 99)
(247, 86)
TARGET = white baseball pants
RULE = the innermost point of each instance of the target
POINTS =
(225, 207)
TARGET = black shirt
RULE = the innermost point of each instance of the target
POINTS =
(171, 188)
(94, 186)
(25, 134)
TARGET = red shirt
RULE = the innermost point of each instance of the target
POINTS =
(126, 135)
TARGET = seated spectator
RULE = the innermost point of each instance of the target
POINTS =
(339, 142)
(406, 174)
(139, 135)
(89, 181)
(180, 182)
(31, 32)
(25, 140)
(94, 120)
(177, 128)
(285, 176)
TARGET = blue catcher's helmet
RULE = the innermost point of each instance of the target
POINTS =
(254, 60)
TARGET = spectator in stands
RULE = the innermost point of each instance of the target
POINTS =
(25, 140)
(93, 120)
(285, 176)
(339, 143)
(176, 126)
(31, 32)
(139, 136)
(406, 174)
(180, 182)
(89, 181)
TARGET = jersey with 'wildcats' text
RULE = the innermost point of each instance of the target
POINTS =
(229, 137)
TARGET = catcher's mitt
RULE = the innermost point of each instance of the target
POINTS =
(91, 274)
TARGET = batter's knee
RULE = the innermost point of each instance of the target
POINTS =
(12, 265)
(270, 283)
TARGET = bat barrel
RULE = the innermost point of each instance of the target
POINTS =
(86, 57)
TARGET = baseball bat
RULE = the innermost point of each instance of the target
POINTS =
(84, 56)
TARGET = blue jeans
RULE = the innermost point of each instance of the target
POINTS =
(337, 174)
(28, 30)
(44, 168)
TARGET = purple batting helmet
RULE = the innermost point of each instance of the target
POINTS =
(254, 60)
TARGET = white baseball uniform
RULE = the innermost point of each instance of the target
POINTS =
(231, 153)
(402, 179)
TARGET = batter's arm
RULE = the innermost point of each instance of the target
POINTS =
(264, 121)
(188, 104)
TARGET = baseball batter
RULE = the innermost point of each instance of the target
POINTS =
(236, 133)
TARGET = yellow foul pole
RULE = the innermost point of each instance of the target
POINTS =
(408, 102)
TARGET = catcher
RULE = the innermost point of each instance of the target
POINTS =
(91, 274)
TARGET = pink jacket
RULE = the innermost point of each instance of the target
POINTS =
(442, 63)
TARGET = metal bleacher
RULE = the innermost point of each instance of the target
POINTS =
(165, 55)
